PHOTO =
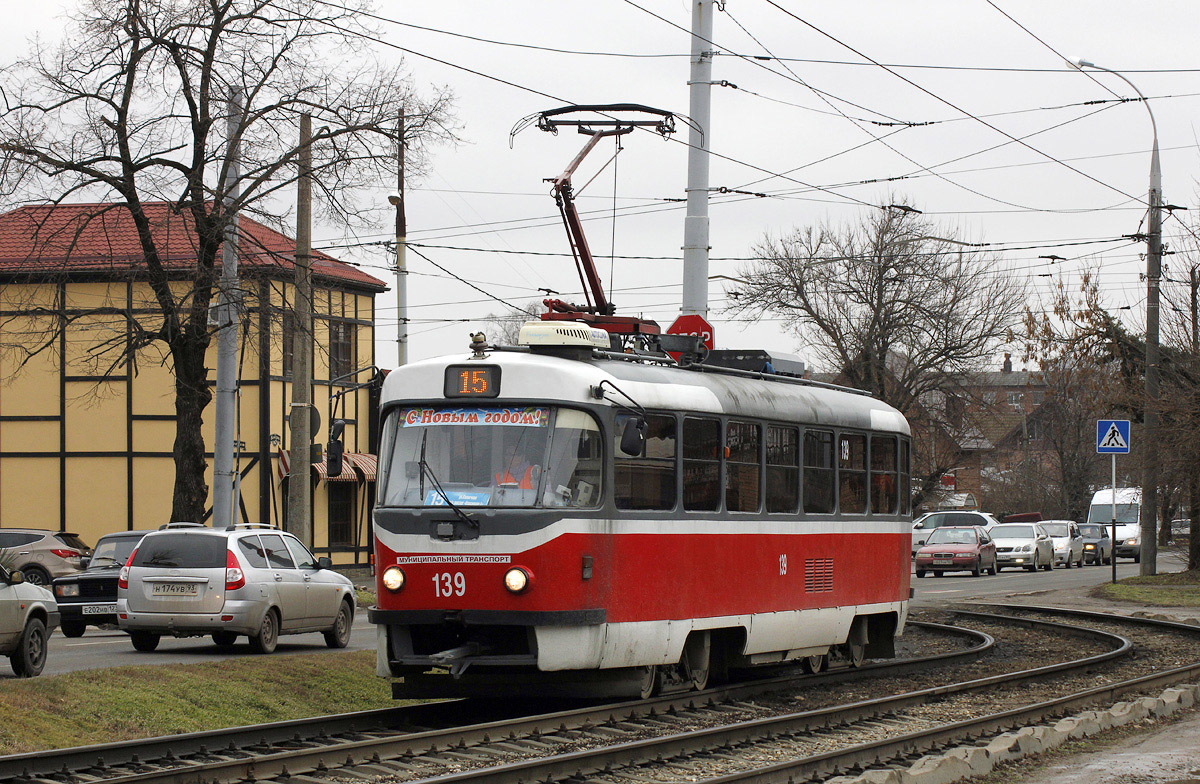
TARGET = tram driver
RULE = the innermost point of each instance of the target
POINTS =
(517, 468)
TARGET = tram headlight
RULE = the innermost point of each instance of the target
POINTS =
(393, 578)
(516, 580)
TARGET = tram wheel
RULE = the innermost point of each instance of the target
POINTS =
(813, 664)
(649, 682)
(856, 653)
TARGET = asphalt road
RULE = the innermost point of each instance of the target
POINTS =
(99, 648)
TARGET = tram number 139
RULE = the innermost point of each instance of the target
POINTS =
(446, 584)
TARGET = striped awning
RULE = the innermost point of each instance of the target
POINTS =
(368, 465)
(356, 467)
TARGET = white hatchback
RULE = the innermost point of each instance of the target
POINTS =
(1067, 540)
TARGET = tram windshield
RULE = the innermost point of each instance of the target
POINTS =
(483, 456)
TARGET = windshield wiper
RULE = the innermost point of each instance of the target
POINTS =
(437, 486)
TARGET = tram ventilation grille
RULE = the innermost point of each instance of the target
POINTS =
(818, 575)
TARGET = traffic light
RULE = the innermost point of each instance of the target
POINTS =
(335, 448)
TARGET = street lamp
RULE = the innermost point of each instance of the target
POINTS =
(1149, 521)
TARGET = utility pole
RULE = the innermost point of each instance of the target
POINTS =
(1149, 519)
(401, 253)
(1193, 481)
(227, 318)
(695, 225)
(299, 511)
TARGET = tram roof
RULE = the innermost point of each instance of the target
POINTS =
(539, 377)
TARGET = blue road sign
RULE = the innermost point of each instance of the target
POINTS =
(1112, 436)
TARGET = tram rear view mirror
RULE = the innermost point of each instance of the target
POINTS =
(412, 469)
(633, 436)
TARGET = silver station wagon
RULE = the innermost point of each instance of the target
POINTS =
(189, 580)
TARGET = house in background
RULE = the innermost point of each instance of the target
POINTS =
(86, 443)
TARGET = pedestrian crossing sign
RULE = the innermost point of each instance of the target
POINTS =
(1112, 436)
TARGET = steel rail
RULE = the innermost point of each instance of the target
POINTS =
(313, 742)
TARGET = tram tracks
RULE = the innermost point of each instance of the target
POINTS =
(724, 738)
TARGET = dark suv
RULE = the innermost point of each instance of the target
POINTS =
(89, 598)
(189, 580)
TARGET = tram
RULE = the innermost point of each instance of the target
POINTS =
(557, 516)
(605, 510)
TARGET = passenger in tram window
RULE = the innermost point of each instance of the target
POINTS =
(517, 468)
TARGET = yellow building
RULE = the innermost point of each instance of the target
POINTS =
(86, 436)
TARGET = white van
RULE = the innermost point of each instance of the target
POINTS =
(1128, 541)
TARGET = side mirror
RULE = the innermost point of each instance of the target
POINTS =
(84, 561)
(324, 562)
(633, 436)
(16, 577)
(918, 526)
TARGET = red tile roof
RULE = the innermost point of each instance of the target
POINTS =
(100, 238)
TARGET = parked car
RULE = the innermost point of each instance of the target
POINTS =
(1022, 544)
(89, 598)
(1097, 547)
(188, 580)
(923, 525)
(28, 616)
(1067, 540)
(42, 555)
(957, 548)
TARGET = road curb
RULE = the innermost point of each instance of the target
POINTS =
(963, 763)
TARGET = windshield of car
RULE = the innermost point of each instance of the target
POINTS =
(73, 541)
(113, 551)
(1092, 531)
(524, 457)
(938, 519)
(192, 551)
(1057, 529)
(952, 536)
(1012, 532)
(1102, 513)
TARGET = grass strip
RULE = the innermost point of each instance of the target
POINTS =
(1170, 589)
(102, 706)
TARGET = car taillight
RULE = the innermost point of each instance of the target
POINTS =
(234, 578)
(66, 553)
(123, 579)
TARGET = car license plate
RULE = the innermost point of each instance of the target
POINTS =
(174, 589)
(98, 609)
(943, 562)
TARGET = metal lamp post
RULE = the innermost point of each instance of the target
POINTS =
(1149, 512)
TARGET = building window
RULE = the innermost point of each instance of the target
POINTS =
(1015, 400)
(341, 349)
(288, 333)
(341, 513)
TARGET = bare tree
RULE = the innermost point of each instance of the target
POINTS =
(132, 110)
(894, 304)
(505, 328)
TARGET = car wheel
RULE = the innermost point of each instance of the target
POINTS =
(1067, 561)
(268, 634)
(224, 639)
(1034, 566)
(999, 569)
(992, 571)
(73, 628)
(1048, 565)
(920, 573)
(30, 657)
(339, 635)
(978, 569)
(1137, 558)
(36, 575)
(144, 641)
(1079, 563)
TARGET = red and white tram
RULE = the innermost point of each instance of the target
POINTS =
(561, 517)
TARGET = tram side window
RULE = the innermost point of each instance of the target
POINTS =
(883, 475)
(783, 472)
(818, 471)
(852, 474)
(647, 481)
(905, 478)
(701, 464)
(742, 470)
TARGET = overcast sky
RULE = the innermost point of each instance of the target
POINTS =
(815, 113)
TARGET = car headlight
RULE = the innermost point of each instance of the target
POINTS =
(70, 589)
(393, 578)
(1025, 548)
(1133, 540)
(516, 579)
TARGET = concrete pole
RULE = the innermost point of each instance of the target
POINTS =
(1149, 520)
(695, 225)
(228, 316)
(401, 255)
(299, 517)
